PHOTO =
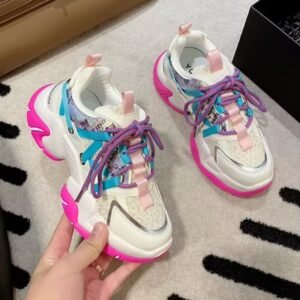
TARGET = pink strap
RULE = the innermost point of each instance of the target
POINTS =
(144, 195)
(214, 60)
(182, 29)
(238, 124)
(139, 173)
(128, 102)
(138, 164)
(135, 141)
(226, 95)
(243, 137)
(92, 59)
(137, 159)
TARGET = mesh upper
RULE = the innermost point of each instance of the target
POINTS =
(253, 157)
(152, 218)
(104, 204)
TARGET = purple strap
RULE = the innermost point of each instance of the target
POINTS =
(206, 102)
(120, 136)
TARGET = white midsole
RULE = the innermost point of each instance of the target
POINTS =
(207, 159)
(88, 214)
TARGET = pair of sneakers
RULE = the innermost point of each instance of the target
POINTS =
(109, 143)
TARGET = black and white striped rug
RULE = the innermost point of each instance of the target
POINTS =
(14, 224)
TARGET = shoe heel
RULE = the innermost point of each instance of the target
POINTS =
(162, 90)
(38, 128)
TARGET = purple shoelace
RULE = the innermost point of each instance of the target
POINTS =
(206, 101)
(120, 137)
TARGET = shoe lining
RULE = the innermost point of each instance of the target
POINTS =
(192, 59)
(99, 92)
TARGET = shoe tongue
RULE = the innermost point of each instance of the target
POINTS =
(202, 62)
(120, 115)
(212, 69)
(83, 76)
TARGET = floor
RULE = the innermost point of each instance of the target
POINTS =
(207, 223)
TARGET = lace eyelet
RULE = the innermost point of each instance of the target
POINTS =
(71, 130)
(80, 157)
(122, 178)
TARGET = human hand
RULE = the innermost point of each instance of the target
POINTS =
(61, 275)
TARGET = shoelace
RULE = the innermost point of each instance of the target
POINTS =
(211, 93)
(120, 136)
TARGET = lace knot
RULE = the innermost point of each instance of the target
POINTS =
(140, 128)
(230, 83)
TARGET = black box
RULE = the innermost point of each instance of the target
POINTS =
(268, 55)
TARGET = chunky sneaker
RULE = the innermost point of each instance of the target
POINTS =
(226, 141)
(109, 144)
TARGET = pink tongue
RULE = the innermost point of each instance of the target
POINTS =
(128, 102)
(214, 60)
(122, 115)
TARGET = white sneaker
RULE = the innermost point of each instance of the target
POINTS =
(226, 141)
(109, 145)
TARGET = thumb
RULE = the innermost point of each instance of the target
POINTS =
(89, 249)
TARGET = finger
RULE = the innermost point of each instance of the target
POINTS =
(58, 246)
(90, 274)
(103, 261)
(115, 279)
(89, 249)
(60, 242)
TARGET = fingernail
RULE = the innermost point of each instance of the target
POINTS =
(98, 229)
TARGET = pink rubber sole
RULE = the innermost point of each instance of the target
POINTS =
(163, 91)
(39, 130)
(165, 94)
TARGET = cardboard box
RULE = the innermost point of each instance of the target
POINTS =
(27, 36)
